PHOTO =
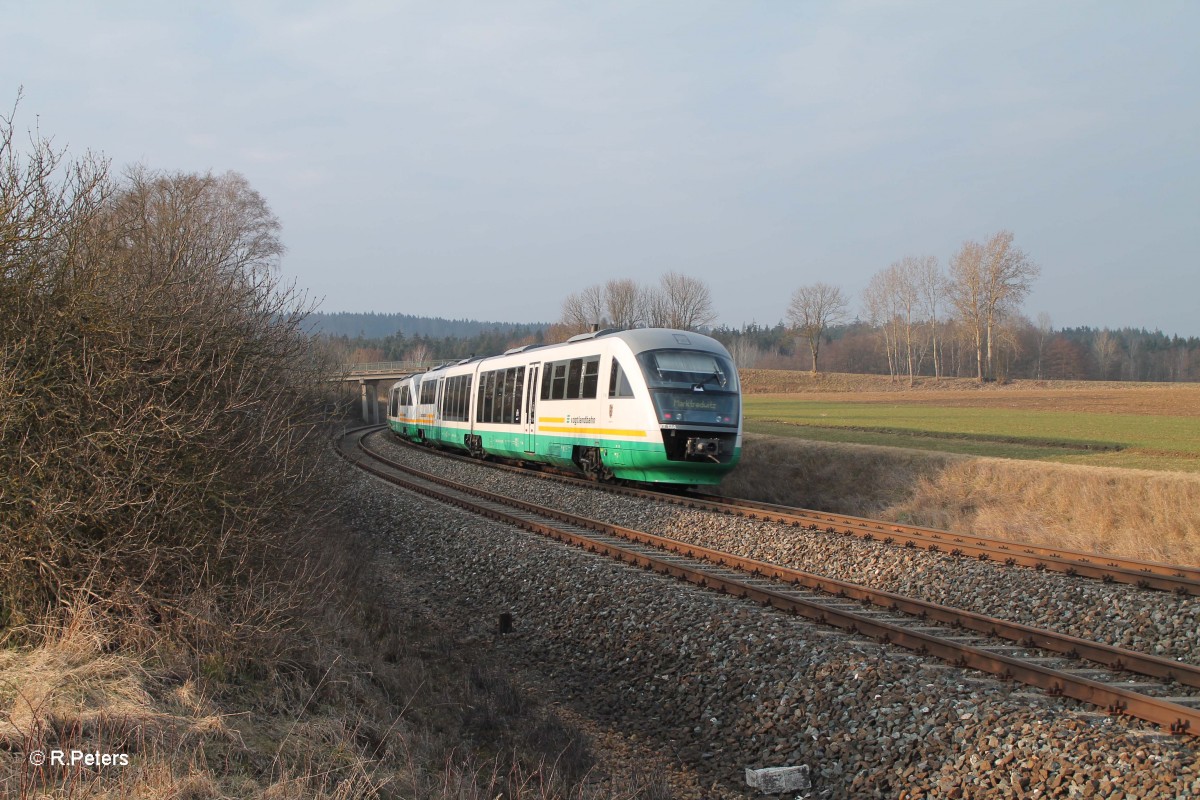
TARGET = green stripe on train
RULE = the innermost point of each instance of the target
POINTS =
(629, 460)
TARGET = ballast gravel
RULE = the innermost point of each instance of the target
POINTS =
(1158, 623)
(721, 685)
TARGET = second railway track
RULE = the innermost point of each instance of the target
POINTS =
(1041, 658)
(1179, 579)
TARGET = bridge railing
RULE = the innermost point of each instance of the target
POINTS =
(366, 370)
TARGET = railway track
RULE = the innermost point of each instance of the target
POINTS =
(1114, 679)
(1180, 579)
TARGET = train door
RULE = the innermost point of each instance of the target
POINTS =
(531, 398)
(439, 433)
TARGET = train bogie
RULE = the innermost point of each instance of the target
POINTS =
(649, 405)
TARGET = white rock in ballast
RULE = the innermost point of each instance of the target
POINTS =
(775, 780)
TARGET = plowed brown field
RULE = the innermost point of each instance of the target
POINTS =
(1170, 399)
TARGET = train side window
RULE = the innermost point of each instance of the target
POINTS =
(574, 374)
(428, 393)
(493, 392)
(457, 398)
(618, 384)
(506, 404)
(591, 377)
(497, 384)
(547, 371)
(486, 385)
(495, 410)
(558, 390)
(518, 392)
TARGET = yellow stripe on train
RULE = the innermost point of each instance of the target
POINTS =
(588, 431)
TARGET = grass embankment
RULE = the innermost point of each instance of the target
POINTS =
(964, 458)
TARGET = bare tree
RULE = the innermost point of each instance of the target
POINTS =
(179, 224)
(1133, 359)
(623, 301)
(967, 292)
(813, 310)
(745, 352)
(903, 282)
(880, 303)
(1045, 327)
(418, 353)
(1008, 275)
(1007, 342)
(653, 305)
(930, 286)
(1106, 348)
(683, 302)
(986, 281)
(581, 310)
(679, 301)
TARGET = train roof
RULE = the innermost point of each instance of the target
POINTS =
(639, 340)
(642, 339)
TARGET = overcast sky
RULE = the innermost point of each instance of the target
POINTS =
(485, 159)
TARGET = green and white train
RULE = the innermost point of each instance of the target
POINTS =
(651, 405)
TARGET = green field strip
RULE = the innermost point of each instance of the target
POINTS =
(1068, 445)
(1099, 439)
(908, 440)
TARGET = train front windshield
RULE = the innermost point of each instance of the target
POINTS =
(691, 387)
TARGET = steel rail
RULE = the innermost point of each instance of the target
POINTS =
(1145, 568)
(1025, 635)
(1180, 579)
(1178, 718)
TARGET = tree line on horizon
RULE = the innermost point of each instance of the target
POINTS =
(378, 325)
(1028, 349)
(914, 320)
(1025, 350)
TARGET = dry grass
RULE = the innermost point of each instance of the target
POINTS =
(72, 692)
(1093, 507)
(356, 700)
(1132, 513)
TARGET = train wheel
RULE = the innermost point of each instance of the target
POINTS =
(588, 459)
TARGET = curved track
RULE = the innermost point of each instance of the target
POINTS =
(1040, 658)
(1181, 579)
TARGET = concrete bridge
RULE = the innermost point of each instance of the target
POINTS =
(368, 376)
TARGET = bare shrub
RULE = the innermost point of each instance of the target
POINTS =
(158, 398)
